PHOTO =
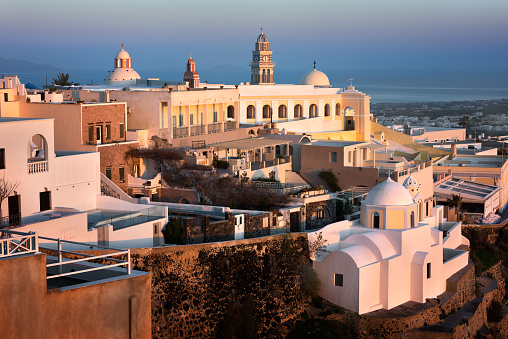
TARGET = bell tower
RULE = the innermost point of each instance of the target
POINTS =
(191, 76)
(262, 64)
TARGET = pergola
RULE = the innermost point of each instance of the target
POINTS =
(254, 146)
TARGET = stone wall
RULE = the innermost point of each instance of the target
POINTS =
(113, 157)
(257, 225)
(205, 291)
(329, 216)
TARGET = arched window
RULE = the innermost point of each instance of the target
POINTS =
(251, 132)
(282, 112)
(337, 109)
(412, 219)
(327, 110)
(264, 75)
(298, 111)
(231, 112)
(268, 79)
(251, 112)
(37, 148)
(313, 111)
(267, 112)
(375, 220)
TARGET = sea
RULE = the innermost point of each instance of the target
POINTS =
(382, 85)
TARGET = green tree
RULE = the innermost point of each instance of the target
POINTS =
(173, 232)
(62, 80)
(464, 121)
(455, 201)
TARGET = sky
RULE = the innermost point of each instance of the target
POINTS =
(160, 34)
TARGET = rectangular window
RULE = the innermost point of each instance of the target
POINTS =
(108, 173)
(339, 279)
(333, 156)
(164, 115)
(215, 117)
(108, 131)
(90, 134)
(428, 271)
(192, 119)
(121, 172)
(2, 158)
(122, 131)
(182, 123)
(155, 230)
(349, 157)
(6, 97)
(98, 129)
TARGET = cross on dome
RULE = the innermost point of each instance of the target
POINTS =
(314, 64)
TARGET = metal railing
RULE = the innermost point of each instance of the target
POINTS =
(61, 263)
(19, 244)
(37, 167)
(229, 126)
(214, 128)
(197, 130)
(106, 190)
(10, 221)
(179, 132)
(15, 243)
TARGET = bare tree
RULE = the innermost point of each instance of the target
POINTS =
(6, 189)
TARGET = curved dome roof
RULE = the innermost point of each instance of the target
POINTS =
(123, 54)
(30, 85)
(315, 78)
(122, 76)
(262, 38)
(410, 182)
(389, 193)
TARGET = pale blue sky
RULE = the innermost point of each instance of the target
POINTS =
(366, 34)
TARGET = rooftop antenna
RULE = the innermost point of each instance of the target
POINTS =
(351, 81)
(314, 64)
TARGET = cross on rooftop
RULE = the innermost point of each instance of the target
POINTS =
(314, 64)
(350, 80)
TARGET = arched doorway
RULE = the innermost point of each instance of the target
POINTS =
(282, 112)
(231, 112)
(251, 112)
(327, 110)
(313, 111)
(337, 109)
(267, 112)
(375, 220)
(298, 111)
(349, 122)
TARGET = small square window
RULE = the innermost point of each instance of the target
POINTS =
(333, 156)
(121, 172)
(339, 279)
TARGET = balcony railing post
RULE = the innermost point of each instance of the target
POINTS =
(128, 261)
(60, 268)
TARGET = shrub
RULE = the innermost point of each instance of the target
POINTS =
(331, 180)
(173, 232)
(217, 163)
(310, 280)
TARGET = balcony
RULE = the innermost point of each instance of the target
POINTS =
(37, 167)
(229, 126)
(197, 130)
(215, 128)
(179, 132)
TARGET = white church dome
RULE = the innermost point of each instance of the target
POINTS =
(123, 54)
(410, 182)
(315, 78)
(389, 193)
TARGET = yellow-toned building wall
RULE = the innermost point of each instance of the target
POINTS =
(396, 219)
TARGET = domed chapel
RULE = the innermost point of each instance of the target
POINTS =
(392, 255)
